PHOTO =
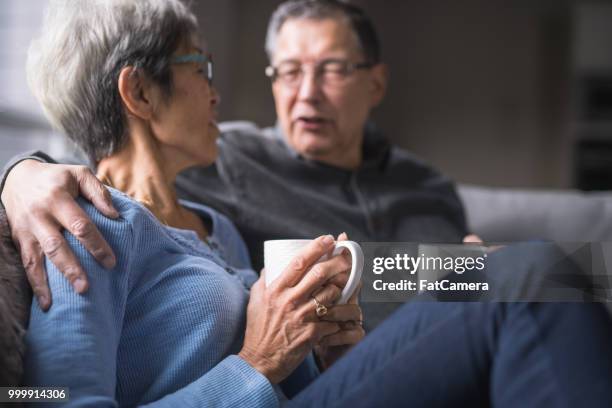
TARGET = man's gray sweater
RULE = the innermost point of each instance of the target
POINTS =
(270, 192)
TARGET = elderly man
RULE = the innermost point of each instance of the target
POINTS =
(324, 167)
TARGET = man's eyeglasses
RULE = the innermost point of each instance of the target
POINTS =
(331, 72)
(205, 60)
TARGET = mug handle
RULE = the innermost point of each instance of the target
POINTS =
(356, 268)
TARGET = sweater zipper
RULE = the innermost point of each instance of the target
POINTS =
(363, 204)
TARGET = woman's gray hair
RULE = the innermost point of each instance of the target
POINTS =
(359, 22)
(73, 68)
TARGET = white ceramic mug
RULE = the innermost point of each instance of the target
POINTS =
(278, 254)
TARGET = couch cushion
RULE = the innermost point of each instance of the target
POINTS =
(15, 299)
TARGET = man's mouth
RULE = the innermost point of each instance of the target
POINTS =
(312, 122)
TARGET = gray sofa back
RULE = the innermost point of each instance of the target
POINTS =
(499, 214)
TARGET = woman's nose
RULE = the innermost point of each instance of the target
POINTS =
(215, 97)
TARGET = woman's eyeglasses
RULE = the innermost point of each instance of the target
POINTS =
(205, 60)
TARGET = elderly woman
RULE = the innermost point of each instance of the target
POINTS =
(128, 81)
(182, 320)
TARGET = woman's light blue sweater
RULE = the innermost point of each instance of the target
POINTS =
(162, 328)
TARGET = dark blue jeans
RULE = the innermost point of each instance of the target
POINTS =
(435, 354)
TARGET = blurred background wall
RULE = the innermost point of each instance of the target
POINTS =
(494, 92)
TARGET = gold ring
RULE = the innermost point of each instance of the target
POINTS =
(320, 308)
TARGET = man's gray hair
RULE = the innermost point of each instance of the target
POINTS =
(73, 68)
(359, 22)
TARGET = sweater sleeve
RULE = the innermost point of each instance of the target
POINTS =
(231, 383)
(75, 343)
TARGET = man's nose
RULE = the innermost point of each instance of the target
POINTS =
(310, 87)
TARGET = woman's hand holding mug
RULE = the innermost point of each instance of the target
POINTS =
(350, 319)
(284, 321)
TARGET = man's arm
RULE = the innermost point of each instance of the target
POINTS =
(39, 199)
(33, 155)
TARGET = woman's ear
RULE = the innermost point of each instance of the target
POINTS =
(136, 93)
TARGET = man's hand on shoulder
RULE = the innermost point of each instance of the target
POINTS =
(40, 202)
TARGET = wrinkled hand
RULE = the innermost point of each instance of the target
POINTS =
(40, 201)
(348, 316)
(350, 320)
(282, 326)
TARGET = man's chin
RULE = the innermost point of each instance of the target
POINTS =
(312, 150)
(311, 144)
